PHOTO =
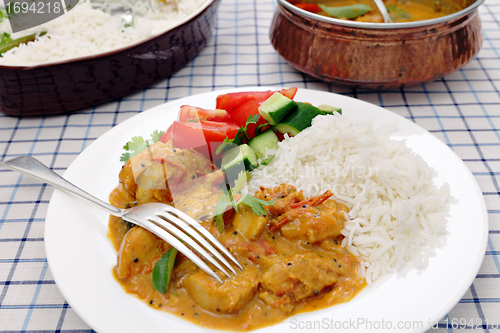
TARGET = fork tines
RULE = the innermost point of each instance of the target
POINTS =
(179, 229)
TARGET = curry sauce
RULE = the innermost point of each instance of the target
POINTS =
(291, 255)
(399, 10)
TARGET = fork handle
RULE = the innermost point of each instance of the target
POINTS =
(30, 166)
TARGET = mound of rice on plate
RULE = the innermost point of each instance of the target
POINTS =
(91, 29)
(397, 212)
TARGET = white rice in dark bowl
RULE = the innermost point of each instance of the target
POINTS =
(91, 29)
(397, 213)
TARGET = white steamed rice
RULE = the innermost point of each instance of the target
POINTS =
(396, 212)
(87, 30)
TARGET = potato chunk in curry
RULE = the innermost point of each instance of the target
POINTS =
(291, 255)
(230, 297)
(138, 252)
(149, 175)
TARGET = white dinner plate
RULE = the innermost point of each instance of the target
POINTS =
(81, 258)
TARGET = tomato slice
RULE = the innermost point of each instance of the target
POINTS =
(241, 105)
(205, 136)
(280, 136)
(240, 115)
(167, 135)
(232, 101)
(218, 131)
(189, 113)
(289, 92)
(310, 7)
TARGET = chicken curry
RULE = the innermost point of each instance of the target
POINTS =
(291, 255)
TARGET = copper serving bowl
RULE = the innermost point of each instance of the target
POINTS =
(84, 82)
(376, 55)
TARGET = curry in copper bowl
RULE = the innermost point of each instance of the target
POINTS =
(367, 11)
(347, 42)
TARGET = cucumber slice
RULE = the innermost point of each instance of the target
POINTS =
(276, 108)
(298, 119)
(259, 143)
(241, 157)
(327, 109)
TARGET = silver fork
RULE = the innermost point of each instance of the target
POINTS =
(170, 224)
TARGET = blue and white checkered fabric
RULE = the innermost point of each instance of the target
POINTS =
(462, 110)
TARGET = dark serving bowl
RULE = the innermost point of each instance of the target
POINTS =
(376, 55)
(84, 82)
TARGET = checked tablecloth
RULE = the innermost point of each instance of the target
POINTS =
(461, 109)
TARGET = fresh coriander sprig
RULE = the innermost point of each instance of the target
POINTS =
(257, 205)
(220, 209)
(138, 144)
(258, 130)
(240, 136)
(234, 197)
(7, 43)
(266, 161)
(5, 38)
(156, 135)
(3, 14)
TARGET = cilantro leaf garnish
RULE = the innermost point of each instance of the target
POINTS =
(239, 184)
(7, 43)
(133, 147)
(258, 130)
(257, 205)
(266, 161)
(138, 144)
(220, 209)
(3, 14)
(224, 144)
(5, 38)
(129, 23)
(240, 136)
(233, 196)
(155, 137)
